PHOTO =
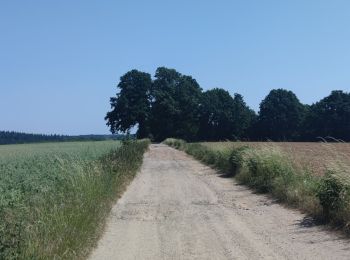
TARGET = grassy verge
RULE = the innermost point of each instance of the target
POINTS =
(269, 170)
(54, 197)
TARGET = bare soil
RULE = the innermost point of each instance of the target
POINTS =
(177, 208)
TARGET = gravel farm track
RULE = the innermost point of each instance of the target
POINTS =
(178, 208)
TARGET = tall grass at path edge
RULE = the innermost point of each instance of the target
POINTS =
(53, 203)
(270, 170)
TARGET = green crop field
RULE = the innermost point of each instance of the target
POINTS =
(54, 195)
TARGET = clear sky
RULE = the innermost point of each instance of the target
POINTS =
(60, 61)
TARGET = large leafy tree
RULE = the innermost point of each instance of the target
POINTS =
(223, 117)
(175, 104)
(131, 106)
(164, 107)
(216, 115)
(280, 116)
(243, 117)
(330, 117)
(188, 96)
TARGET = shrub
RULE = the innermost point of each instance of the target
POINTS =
(237, 159)
(331, 193)
(222, 161)
(176, 143)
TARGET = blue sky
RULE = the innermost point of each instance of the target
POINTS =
(60, 61)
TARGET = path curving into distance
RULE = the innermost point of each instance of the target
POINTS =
(178, 208)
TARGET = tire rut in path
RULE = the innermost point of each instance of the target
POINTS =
(177, 208)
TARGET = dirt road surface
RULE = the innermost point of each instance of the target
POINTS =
(177, 208)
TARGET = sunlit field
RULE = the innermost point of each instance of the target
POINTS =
(86, 150)
(314, 157)
(314, 177)
(53, 196)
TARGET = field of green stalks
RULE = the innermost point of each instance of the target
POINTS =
(314, 177)
(54, 196)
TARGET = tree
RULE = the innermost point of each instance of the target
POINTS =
(216, 115)
(223, 117)
(164, 106)
(188, 96)
(173, 105)
(243, 117)
(280, 116)
(176, 100)
(330, 117)
(131, 106)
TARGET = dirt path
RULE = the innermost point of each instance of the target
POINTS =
(177, 208)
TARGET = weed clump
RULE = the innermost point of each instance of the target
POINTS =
(237, 159)
(334, 198)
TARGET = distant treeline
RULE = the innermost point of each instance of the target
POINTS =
(174, 105)
(10, 137)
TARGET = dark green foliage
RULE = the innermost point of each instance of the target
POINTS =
(243, 117)
(188, 97)
(176, 100)
(10, 137)
(173, 105)
(216, 115)
(330, 193)
(283, 118)
(131, 106)
(280, 116)
(329, 117)
(167, 106)
(223, 117)
(164, 106)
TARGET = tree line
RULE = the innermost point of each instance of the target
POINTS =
(174, 105)
(11, 137)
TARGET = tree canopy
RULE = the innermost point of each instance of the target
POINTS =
(280, 116)
(175, 102)
(223, 117)
(174, 105)
(330, 117)
(11, 137)
(243, 118)
(131, 106)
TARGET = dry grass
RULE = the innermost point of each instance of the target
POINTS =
(316, 158)
(314, 177)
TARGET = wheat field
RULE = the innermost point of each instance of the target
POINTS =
(316, 158)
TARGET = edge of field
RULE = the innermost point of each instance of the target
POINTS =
(66, 220)
(269, 170)
(120, 189)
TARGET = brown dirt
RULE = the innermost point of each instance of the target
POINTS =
(177, 208)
